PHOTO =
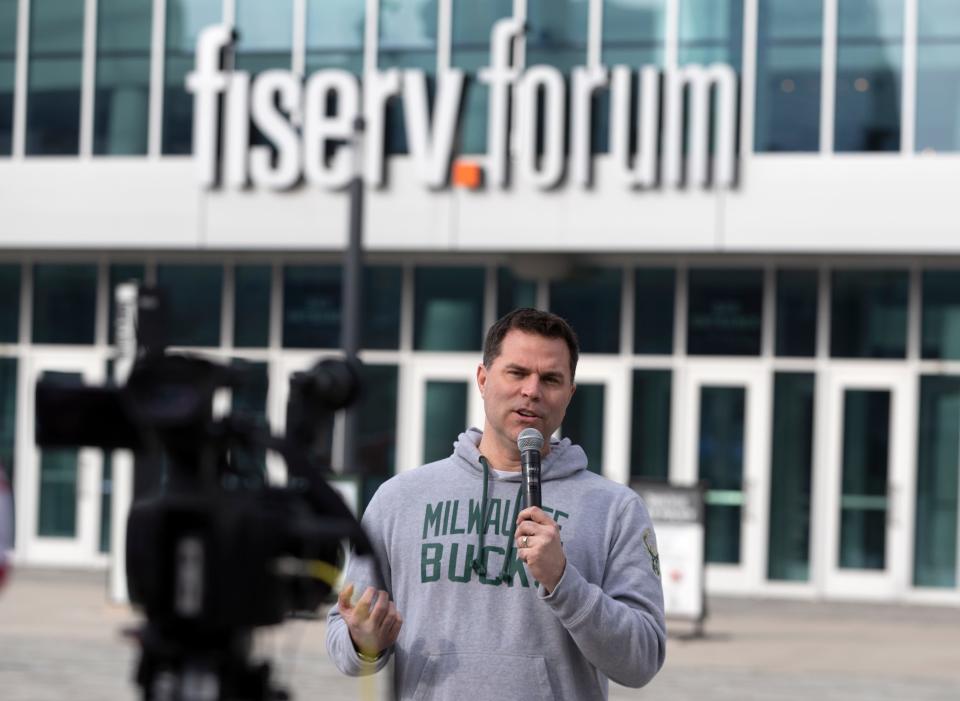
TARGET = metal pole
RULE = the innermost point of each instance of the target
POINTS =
(353, 291)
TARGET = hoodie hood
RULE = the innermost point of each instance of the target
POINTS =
(563, 460)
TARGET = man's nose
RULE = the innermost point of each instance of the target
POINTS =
(531, 386)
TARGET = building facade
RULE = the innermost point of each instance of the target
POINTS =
(784, 325)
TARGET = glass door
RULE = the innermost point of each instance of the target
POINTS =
(60, 489)
(866, 541)
(724, 443)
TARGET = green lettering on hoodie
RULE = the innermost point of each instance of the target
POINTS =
(430, 563)
(467, 569)
(474, 517)
(432, 516)
(493, 518)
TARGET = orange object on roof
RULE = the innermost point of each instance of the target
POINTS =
(467, 174)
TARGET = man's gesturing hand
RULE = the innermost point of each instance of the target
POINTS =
(538, 545)
(374, 629)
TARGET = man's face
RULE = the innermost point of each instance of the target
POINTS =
(528, 384)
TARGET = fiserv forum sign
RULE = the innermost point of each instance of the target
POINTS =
(313, 144)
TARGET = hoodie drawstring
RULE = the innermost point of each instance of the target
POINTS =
(478, 563)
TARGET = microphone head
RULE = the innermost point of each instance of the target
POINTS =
(530, 439)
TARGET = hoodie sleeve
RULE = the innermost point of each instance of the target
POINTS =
(620, 626)
(367, 571)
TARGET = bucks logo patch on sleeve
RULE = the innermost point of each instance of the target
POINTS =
(652, 549)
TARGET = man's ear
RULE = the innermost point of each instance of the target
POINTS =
(481, 377)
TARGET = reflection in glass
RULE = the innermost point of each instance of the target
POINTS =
(711, 31)
(250, 399)
(650, 425)
(583, 423)
(57, 509)
(377, 430)
(311, 306)
(8, 60)
(789, 55)
(514, 292)
(9, 302)
(868, 317)
(797, 313)
(53, 78)
(557, 33)
(382, 290)
(725, 312)
(192, 295)
(265, 29)
(106, 502)
(654, 290)
(251, 306)
(121, 103)
(935, 546)
(869, 58)
(8, 418)
(64, 302)
(938, 76)
(863, 502)
(940, 334)
(335, 35)
(448, 309)
(720, 463)
(589, 298)
(470, 50)
(185, 20)
(120, 273)
(791, 468)
(444, 418)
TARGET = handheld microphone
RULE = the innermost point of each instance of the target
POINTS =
(530, 441)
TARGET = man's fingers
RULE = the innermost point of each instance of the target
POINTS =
(362, 609)
(379, 611)
(534, 513)
(344, 602)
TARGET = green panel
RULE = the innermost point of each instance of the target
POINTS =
(448, 309)
(251, 306)
(106, 502)
(58, 493)
(791, 468)
(711, 31)
(650, 424)
(514, 292)
(335, 35)
(938, 76)
(120, 273)
(250, 399)
(382, 292)
(444, 418)
(8, 54)
(868, 317)
(654, 291)
(122, 99)
(796, 333)
(938, 437)
(725, 311)
(311, 306)
(8, 416)
(863, 501)
(940, 335)
(589, 299)
(9, 302)
(583, 423)
(377, 430)
(64, 303)
(192, 295)
(721, 451)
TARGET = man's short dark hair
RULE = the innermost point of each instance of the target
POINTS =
(531, 321)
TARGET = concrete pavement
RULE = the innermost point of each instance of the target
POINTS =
(60, 639)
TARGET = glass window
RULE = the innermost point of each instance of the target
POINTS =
(868, 316)
(791, 467)
(121, 104)
(650, 425)
(265, 35)
(185, 20)
(797, 313)
(311, 306)
(9, 302)
(251, 306)
(869, 58)
(106, 502)
(514, 292)
(448, 309)
(382, 290)
(721, 452)
(863, 502)
(935, 547)
(654, 290)
(583, 423)
(250, 399)
(64, 303)
(938, 76)
(444, 418)
(725, 312)
(377, 430)
(472, 23)
(335, 35)
(120, 273)
(53, 82)
(192, 295)
(711, 31)
(940, 337)
(789, 56)
(8, 61)
(8, 417)
(408, 39)
(557, 33)
(589, 299)
(57, 510)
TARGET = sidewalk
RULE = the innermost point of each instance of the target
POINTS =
(59, 639)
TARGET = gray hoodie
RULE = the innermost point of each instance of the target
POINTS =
(476, 624)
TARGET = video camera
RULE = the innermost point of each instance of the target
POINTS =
(216, 550)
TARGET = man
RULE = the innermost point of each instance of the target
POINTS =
(492, 600)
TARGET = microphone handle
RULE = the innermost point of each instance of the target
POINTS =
(530, 466)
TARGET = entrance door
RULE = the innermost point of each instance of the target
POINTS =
(865, 483)
(60, 489)
(725, 442)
